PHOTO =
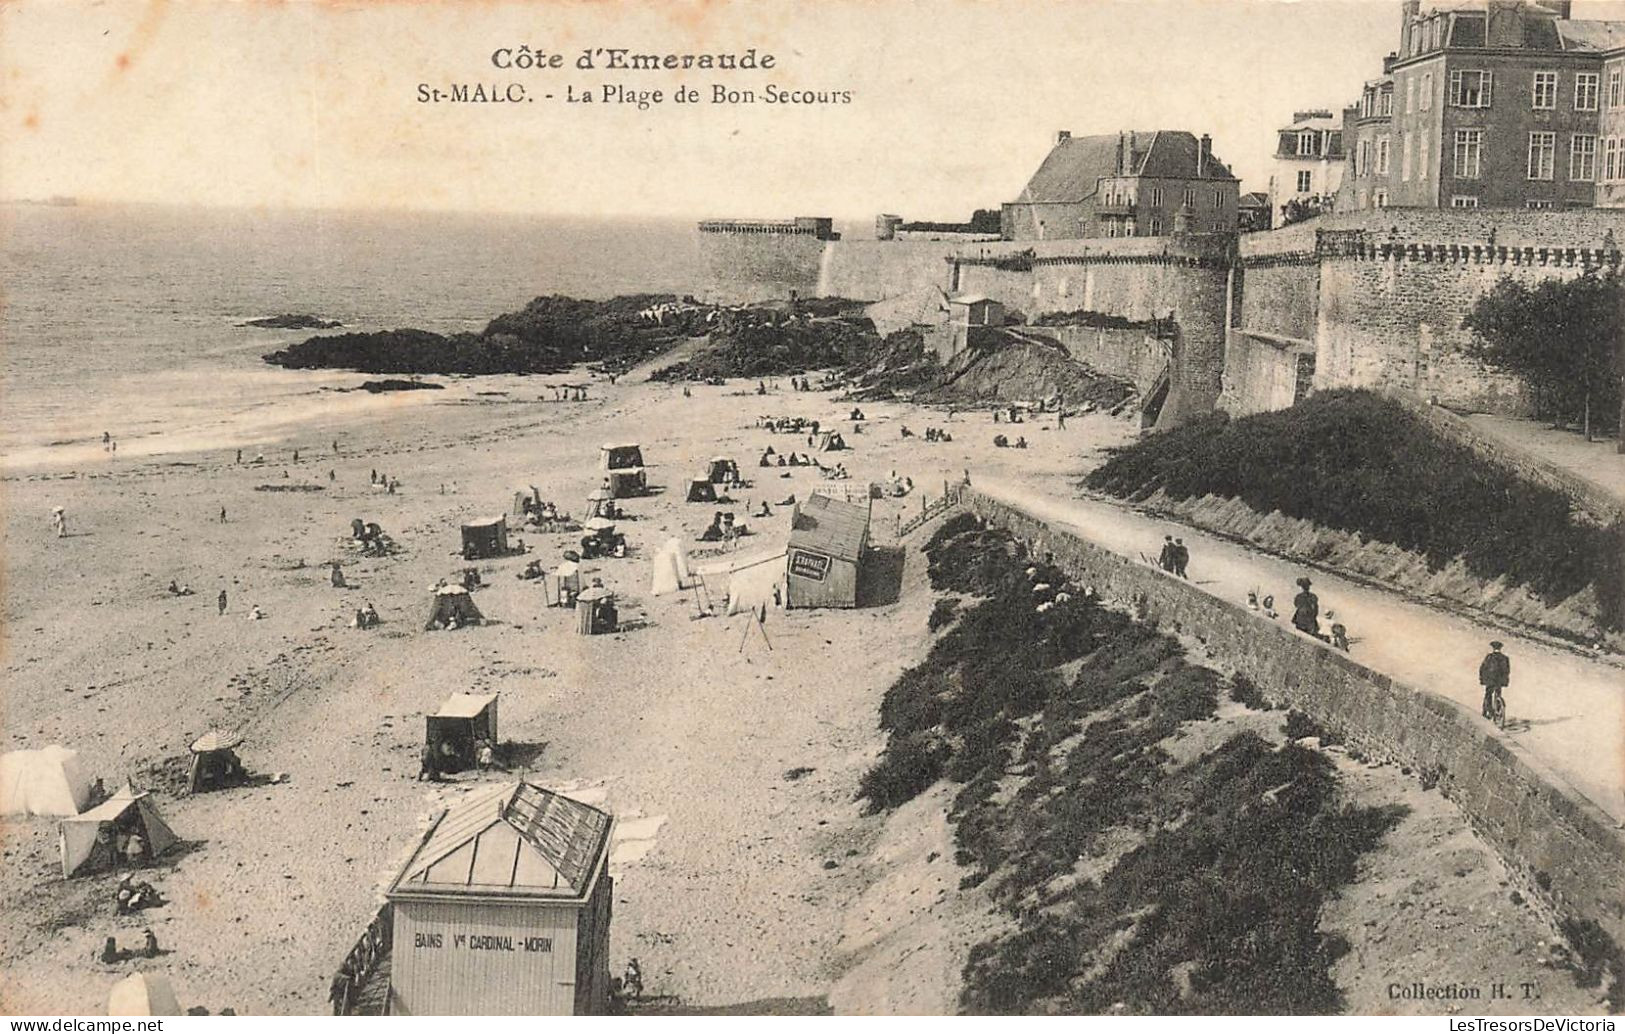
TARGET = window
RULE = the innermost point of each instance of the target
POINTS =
(1583, 158)
(1156, 226)
(1218, 199)
(1470, 89)
(1386, 102)
(1156, 199)
(1542, 155)
(1469, 149)
(1462, 201)
(1128, 228)
(1538, 203)
(1422, 156)
(1306, 142)
(1585, 91)
(1190, 197)
(1362, 167)
(1613, 88)
(1405, 156)
(1610, 158)
(1379, 199)
(1306, 181)
(1382, 156)
(1410, 94)
(1427, 91)
(1545, 91)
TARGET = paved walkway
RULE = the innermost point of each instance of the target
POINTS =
(1598, 462)
(1563, 708)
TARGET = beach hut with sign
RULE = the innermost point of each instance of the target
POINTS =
(503, 909)
(828, 540)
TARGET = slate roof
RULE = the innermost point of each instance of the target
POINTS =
(1071, 171)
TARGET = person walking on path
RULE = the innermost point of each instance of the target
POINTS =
(59, 521)
(1181, 557)
(222, 601)
(1306, 610)
(239, 455)
(1165, 559)
(1494, 674)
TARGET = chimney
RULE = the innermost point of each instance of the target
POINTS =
(1202, 152)
(1062, 136)
(1128, 159)
(1120, 167)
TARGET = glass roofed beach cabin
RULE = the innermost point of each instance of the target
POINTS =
(503, 909)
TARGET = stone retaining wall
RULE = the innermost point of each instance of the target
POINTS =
(1564, 845)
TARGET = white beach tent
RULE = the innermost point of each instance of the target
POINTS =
(143, 994)
(669, 569)
(89, 841)
(48, 781)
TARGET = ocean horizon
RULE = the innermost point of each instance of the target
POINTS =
(125, 319)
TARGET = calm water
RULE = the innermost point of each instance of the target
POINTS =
(122, 318)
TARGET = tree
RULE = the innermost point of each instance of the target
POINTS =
(1562, 337)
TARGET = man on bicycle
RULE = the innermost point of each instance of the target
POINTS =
(1494, 674)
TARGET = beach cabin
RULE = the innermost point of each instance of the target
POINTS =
(462, 721)
(828, 539)
(623, 469)
(503, 909)
(485, 538)
(969, 317)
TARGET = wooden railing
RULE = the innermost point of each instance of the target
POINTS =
(352, 989)
(932, 508)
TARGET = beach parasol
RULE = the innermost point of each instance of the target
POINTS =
(214, 739)
(599, 524)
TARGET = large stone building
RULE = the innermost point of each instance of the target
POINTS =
(1504, 104)
(1309, 162)
(1132, 184)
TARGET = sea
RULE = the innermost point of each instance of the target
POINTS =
(125, 320)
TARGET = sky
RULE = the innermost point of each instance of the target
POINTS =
(953, 103)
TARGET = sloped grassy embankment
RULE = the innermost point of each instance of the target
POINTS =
(1146, 866)
(1352, 481)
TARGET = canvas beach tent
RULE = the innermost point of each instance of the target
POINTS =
(485, 538)
(701, 490)
(452, 601)
(663, 577)
(722, 470)
(143, 994)
(831, 441)
(48, 781)
(90, 842)
(526, 499)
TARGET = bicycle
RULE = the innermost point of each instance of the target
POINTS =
(1498, 708)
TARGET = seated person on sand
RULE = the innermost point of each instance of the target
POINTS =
(713, 533)
(133, 895)
(338, 577)
(763, 511)
(255, 613)
(369, 615)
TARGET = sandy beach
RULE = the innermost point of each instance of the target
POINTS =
(730, 875)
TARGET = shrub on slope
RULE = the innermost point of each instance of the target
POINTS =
(1358, 462)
